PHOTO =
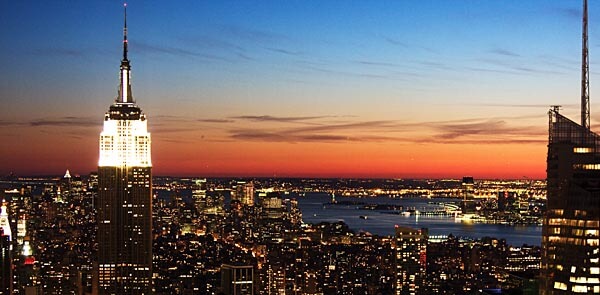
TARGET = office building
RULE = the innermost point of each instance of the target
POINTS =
(5, 264)
(468, 204)
(124, 194)
(571, 227)
(410, 250)
(570, 234)
(237, 279)
(244, 193)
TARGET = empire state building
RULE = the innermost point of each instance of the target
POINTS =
(124, 194)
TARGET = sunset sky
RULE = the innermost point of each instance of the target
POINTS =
(411, 89)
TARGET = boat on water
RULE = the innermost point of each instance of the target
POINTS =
(469, 217)
(364, 217)
(410, 212)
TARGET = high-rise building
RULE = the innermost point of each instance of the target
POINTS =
(6, 277)
(275, 279)
(411, 260)
(571, 228)
(199, 194)
(468, 203)
(237, 279)
(244, 193)
(4, 222)
(272, 206)
(248, 194)
(124, 194)
(207, 204)
(21, 230)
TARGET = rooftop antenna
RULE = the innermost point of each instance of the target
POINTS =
(125, 87)
(125, 32)
(585, 76)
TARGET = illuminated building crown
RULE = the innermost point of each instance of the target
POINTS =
(125, 140)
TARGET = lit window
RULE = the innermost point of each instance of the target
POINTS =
(579, 289)
(582, 150)
(560, 286)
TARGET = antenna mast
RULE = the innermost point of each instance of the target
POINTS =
(125, 32)
(585, 68)
(125, 87)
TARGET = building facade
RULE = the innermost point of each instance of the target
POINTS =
(124, 195)
(6, 277)
(411, 260)
(244, 193)
(571, 229)
(237, 279)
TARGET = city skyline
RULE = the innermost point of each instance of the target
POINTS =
(295, 88)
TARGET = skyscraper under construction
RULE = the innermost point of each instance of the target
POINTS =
(124, 194)
(571, 229)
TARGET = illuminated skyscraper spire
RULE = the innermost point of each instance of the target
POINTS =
(125, 95)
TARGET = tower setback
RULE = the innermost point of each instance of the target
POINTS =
(125, 194)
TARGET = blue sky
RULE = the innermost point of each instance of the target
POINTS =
(333, 62)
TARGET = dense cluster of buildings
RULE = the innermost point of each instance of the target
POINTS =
(240, 239)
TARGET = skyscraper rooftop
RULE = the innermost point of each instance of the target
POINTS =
(571, 228)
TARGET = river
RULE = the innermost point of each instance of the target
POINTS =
(315, 209)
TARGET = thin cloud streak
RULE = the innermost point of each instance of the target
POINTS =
(504, 52)
(402, 44)
(353, 74)
(512, 67)
(65, 121)
(215, 121)
(489, 130)
(176, 51)
(571, 13)
(68, 52)
(260, 136)
(267, 118)
(284, 51)
(257, 135)
(486, 128)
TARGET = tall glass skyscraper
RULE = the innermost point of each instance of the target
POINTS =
(124, 194)
(571, 229)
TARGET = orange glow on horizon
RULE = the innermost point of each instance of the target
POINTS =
(347, 160)
(41, 153)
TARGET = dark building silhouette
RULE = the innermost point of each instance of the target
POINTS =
(468, 204)
(570, 241)
(5, 264)
(124, 195)
(571, 229)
